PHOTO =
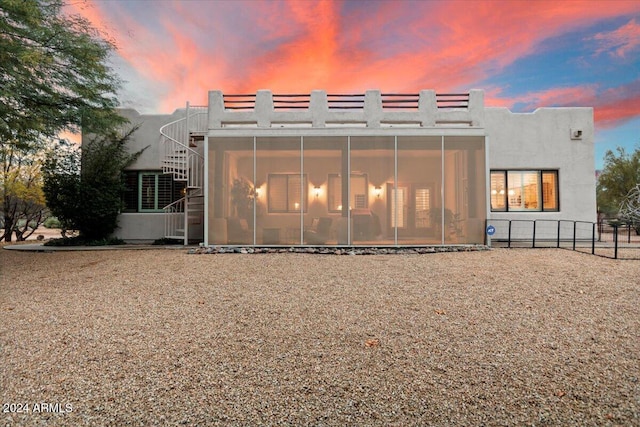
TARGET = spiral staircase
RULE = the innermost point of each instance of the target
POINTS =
(182, 156)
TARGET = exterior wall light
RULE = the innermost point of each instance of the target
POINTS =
(316, 191)
(378, 192)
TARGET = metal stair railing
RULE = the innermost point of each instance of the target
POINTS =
(179, 159)
(174, 219)
(184, 164)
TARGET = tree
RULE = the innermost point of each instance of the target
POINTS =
(620, 175)
(53, 73)
(24, 206)
(53, 77)
(84, 186)
(630, 208)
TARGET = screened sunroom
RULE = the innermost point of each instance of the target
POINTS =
(380, 189)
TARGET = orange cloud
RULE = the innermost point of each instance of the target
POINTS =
(292, 46)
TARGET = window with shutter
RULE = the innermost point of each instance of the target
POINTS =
(524, 190)
(286, 193)
(155, 191)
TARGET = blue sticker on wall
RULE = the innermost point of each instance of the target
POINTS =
(491, 230)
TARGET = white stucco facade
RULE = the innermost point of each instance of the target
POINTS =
(458, 144)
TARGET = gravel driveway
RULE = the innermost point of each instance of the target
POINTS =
(501, 337)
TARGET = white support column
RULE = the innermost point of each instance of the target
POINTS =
(188, 173)
(205, 190)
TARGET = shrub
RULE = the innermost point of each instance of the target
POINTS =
(52, 222)
(84, 188)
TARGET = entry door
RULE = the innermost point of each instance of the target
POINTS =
(412, 211)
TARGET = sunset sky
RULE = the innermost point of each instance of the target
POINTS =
(524, 54)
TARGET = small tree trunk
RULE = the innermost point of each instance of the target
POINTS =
(8, 230)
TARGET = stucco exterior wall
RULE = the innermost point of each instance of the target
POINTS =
(515, 141)
(542, 140)
(148, 135)
(144, 227)
(140, 227)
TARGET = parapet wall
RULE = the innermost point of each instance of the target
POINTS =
(371, 109)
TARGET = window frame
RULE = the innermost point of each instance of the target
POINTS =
(333, 177)
(304, 190)
(540, 189)
(176, 191)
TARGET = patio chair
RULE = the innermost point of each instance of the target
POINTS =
(319, 232)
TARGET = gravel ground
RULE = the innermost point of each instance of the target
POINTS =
(501, 337)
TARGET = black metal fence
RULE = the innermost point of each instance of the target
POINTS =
(607, 238)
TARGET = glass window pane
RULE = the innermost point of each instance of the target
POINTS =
(130, 196)
(295, 195)
(399, 207)
(550, 190)
(498, 192)
(148, 191)
(277, 193)
(334, 195)
(359, 191)
(165, 191)
(523, 192)
(422, 206)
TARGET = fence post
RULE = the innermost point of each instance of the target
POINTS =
(574, 235)
(593, 238)
(559, 222)
(534, 234)
(615, 241)
(629, 233)
(486, 236)
(509, 236)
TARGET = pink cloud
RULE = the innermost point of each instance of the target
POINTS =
(295, 46)
(617, 105)
(620, 42)
(611, 106)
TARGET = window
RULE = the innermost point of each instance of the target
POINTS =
(423, 207)
(524, 191)
(359, 195)
(149, 191)
(285, 192)
(130, 195)
(398, 217)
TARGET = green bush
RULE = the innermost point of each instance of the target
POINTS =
(52, 222)
(88, 198)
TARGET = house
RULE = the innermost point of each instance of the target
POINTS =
(354, 169)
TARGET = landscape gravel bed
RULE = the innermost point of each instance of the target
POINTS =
(492, 337)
